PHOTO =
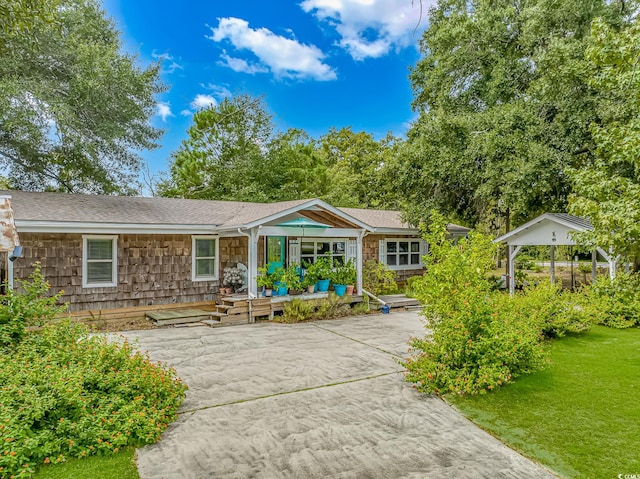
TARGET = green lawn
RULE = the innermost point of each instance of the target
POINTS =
(119, 466)
(581, 416)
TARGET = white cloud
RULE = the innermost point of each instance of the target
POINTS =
(240, 65)
(173, 67)
(371, 28)
(218, 90)
(203, 101)
(163, 110)
(283, 56)
(165, 57)
(186, 112)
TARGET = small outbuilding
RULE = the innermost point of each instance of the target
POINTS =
(551, 229)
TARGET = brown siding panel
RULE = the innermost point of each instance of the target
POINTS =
(152, 270)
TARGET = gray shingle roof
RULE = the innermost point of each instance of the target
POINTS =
(575, 220)
(37, 206)
(130, 210)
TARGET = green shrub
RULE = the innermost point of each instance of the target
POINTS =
(331, 307)
(295, 311)
(556, 312)
(480, 339)
(614, 303)
(65, 394)
(27, 305)
(378, 279)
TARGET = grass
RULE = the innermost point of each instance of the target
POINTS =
(581, 416)
(118, 466)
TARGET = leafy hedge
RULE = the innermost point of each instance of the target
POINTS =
(66, 393)
(480, 338)
(614, 303)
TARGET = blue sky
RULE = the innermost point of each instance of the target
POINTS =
(318, 63)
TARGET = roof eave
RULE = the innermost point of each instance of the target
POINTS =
(300, 207)
(38, 226)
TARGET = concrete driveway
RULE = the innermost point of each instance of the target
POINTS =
(321, 399)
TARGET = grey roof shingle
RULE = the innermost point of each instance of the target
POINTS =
(576, 220)
(73, 208)
(63, 207)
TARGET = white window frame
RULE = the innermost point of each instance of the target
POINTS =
(331, 241)
(216, 258)
(401, 267)
(114, 260)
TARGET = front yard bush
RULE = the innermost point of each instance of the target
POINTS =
(28, 305)
(65, 393)
(614, 303)
(480, 338)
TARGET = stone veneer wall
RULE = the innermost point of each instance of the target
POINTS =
(152, 270)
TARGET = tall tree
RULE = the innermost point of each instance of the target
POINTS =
(504, 105)
(73, 107)
(607, 191)
(356, 163)
(224, 156)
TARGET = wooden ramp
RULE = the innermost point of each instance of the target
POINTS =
(400, 301)
(178, 317)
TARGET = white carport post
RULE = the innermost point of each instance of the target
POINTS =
(552, 264)
(594, 265)
(611, 260)
(359, 286)
(513, 251)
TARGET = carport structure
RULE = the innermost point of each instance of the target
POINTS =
(551, 229)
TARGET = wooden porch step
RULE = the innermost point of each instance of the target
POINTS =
(213, 323)
(233, 320)
(225, 308)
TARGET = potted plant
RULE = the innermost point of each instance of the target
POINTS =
(322, 269)
(233, 277)
(279, 282)
(265, 280)
(342, 276)
(310, 277)
(350, 276)
(291, 278)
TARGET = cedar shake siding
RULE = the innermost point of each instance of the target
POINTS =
(152, 269)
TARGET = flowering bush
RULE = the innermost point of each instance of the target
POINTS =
(479, 338)
(64, 393)
(30, 307)
(233, 277)
(614, 303)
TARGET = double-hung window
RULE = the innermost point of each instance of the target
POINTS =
(204, 258)
(99, 261)
(403, 253)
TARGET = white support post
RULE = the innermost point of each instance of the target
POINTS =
(513, 251)
(359, 286)
(254, 234)
(594, 265)
(552, 267)
(10, 274)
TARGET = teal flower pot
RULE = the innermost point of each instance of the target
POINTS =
(340, 289)
(323, 285)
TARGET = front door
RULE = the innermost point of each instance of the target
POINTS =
(275, 252)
